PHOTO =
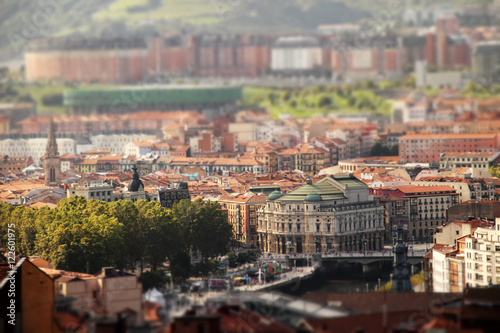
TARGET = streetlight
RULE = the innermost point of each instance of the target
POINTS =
(412, 245)
(364, 247)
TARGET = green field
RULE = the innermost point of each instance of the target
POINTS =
(192, 11)
(319, 100)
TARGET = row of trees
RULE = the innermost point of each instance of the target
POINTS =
(381, 149)
(81, 235)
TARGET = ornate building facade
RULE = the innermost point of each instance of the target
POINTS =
(335, 214)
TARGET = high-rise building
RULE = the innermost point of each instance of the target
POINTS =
(487, 61)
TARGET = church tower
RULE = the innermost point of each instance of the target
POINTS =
(401, 281)
(52, 160)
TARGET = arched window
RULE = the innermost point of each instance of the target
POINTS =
(52, 176)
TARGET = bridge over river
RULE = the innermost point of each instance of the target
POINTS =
(309, 259)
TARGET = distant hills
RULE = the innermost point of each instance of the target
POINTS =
(22, 20)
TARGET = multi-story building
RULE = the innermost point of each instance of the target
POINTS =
(270, 160)
(14, 163)
(412, 112)
(35, 147)
(485, 209)
(311, 160)
(428, 148)
(383, 57)
(116, 143)
(478, 162)
(109, 60)
(242, 215)
(208, 142)
(449, 233)
(336, 147)
(306, 158)
(467, 255)
(487, 61)
(229, 55)
(396, 213)
(448, 268)
(427, 206)
(139, 148)
(271, 129)
(109, 163)
(104, 191)
(68, 162)
(87, 165)
(352, 138)
(452, 49)
(482, 256)
(95, 190)
(296, 54)
(31, 293)
(213, 165)
(5, 125)
(107, 293)
(467, 188)
(391, 162)
(335, 214)
(288, 159)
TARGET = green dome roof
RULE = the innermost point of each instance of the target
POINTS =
(275, 195)
(313, 196)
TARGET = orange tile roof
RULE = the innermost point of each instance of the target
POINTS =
(450, 136)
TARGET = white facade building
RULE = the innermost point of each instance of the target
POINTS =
(35, 147)
(269, 130)
(296, 54)
(482, 256)
(139, 148)
(115, 143)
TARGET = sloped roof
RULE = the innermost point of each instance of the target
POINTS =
(323, 189)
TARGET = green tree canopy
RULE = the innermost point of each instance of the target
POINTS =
(86, 235)
(204, 227)
(380, 149)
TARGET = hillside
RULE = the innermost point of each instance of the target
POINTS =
(23, 20)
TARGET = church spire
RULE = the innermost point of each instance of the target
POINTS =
(51, 150)
(52, 161)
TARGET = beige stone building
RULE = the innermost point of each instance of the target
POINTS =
(334, 214)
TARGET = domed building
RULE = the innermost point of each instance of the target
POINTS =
(335, 214)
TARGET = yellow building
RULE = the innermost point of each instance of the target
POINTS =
(87, 165)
